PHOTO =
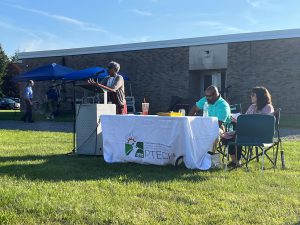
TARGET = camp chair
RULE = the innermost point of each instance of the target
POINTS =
(255, 130)
(277, 141)
(236, 108)
(130, 101)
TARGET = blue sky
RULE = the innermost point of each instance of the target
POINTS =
(32, 25)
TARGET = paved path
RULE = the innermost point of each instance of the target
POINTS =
(290, 133)
(286, 133)
(37, 126)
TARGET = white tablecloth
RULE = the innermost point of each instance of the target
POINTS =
(159, 140)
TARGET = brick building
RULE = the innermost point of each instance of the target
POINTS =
(185, 67)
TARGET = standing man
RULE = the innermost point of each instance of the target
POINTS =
(116, 82)
(52, 102)
(217, 106)
(28, 95)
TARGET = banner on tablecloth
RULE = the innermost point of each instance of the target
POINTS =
(149, 150)
(158, 140)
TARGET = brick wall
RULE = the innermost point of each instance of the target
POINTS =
(274, 64)
(156, 74)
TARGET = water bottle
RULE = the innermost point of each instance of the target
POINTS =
(182, 111)
(205, 110)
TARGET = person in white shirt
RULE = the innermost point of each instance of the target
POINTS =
(28, 96)
(116, 82)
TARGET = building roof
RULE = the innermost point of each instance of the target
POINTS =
(221, 39)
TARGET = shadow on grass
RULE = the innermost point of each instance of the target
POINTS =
(81, 168)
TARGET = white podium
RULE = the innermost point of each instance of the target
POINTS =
(88, 127)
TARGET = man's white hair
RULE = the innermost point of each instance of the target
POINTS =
(114, 65)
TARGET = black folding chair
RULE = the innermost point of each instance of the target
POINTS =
(236, 108)
(277, 143)
(256, 131)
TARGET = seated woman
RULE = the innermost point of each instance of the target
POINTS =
(261, 104)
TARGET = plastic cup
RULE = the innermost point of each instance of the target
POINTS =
(145, 108)
(182, 111)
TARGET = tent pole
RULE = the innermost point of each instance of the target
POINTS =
(74, 119)
(130, 89)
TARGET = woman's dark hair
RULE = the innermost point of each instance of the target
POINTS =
(263, 97)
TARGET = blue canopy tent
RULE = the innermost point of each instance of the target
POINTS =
(93, 72)
(97, 73)
(48, 72)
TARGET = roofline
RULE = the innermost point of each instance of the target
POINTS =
(221, 39)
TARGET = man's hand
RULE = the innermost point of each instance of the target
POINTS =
(91, 81)
(193, 110)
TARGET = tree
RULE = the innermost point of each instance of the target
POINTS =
(4, 60)
(9, 87)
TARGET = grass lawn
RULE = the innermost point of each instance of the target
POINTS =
(42, 185)
(291, 121)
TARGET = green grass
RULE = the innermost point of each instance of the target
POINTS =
(291, 121)
(10, 114)
(42, 185)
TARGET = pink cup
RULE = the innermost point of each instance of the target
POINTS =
(145, 108)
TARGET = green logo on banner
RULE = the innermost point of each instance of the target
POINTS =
(133, 145)
(128, 149)
(140, 151)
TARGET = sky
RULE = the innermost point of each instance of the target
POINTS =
(35, 25)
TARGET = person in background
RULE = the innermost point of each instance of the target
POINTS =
(217, 106)
(115, 82)
(261, 101)
(52, 102)
(28, 96)
(261, 104)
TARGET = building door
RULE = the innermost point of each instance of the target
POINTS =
(216, 79)
(201, 79)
